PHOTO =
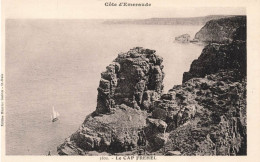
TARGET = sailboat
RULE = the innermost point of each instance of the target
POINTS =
(55, 115)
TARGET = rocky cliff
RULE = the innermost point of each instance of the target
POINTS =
(206, 115)
(221, 55)
(215, 57)
(126, 92)
(223, 30)
(203, 116)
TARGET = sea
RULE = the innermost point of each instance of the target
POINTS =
(58, 63)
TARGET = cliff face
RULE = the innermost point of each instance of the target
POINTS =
(218, 56)
(214, 89)
(215, 57)
(206, 115)
(223, 30)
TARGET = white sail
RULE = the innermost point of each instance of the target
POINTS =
(53, 113)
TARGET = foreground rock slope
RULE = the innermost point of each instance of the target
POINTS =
(206, 115)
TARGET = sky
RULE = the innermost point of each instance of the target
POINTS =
(88, 9)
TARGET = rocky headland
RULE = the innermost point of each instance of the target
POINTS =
(223, 30)
(206, 115)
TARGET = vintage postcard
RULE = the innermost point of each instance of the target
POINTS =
(130, 80)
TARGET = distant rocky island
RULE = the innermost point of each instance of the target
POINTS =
(185, 38)
(205, 115)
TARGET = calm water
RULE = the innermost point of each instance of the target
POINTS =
(58, 63)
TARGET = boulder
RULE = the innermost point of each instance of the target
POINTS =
(156, 125)
(159, 113)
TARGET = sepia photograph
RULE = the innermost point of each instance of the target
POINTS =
(163, 81)
(163, 86)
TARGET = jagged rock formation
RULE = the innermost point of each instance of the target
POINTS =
(134, 78)
(222, 30)
(130, 84)
(185, 38)
(206, 115)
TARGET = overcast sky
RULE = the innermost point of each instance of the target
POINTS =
(86, 9)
